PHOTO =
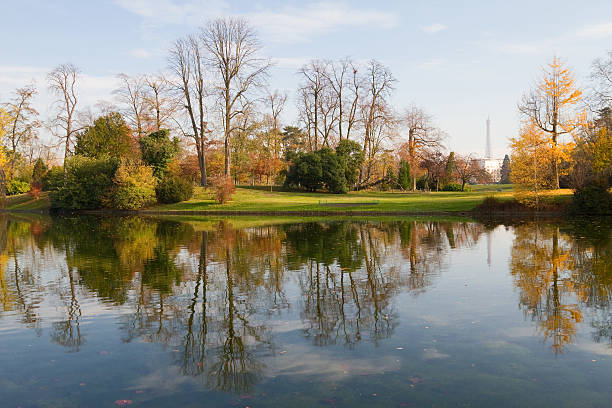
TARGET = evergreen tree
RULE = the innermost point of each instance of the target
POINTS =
(449, 169)
(403, 175)
(157, 150)
(39, 171)
(108, 137)
(505, 171)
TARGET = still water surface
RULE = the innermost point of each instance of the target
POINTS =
(107, 312)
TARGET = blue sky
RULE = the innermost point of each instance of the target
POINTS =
(460, 60)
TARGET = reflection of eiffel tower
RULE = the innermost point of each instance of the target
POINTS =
(489, 242)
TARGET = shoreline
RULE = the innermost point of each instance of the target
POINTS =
(307, 213)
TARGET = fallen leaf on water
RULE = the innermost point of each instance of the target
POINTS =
(123, 403)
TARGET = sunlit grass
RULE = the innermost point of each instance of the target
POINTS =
(259, 199)
(249, 199)
(27, 202)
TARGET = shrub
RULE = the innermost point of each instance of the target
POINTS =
(133, 187)
(322, 168)
(333, 168)
(452, 187)
(88, 181)
(223, 188)
(14, 186)
(305, 171)
(422, 183)
(173, 189)
(491, 204)
(35, 190)
(592, 199)
(53, 179)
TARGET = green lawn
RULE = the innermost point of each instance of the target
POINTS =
(260, 199)
(256, 199)
(27, 203)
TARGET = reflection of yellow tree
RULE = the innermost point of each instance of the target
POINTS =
(19, 287)
(545, 276)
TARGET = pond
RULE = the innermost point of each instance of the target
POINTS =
(107, 312)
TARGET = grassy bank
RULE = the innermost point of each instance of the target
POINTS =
(259, 199)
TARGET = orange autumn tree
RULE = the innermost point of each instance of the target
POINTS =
(5, 119)
(551, 107)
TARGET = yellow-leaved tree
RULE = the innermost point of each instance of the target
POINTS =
(4, 122)
(551, 107)
(531, 170)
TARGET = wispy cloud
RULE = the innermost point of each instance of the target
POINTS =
(433, 28)
(293, 24)
(431, 64)
(140, 53)
(173, 11)
(545, 45)
(288, 24)
(291, 63)
(596, 31)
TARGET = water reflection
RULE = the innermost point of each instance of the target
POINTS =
(214, 293)
(561, 272)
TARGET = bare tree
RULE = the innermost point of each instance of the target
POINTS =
(315, 82)
(23, 120)
(328, 108)
(62, 82)
(337, 79)
(423, 137)
(233, 49)
(356, 89)
(601, 88)
(375, 111)
(467, 168)
(306, 110)
(160, 104)
(275, 101)
(187, 65)
(132, 94)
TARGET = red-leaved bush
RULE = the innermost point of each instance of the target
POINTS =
(35, 190)
(223, 188)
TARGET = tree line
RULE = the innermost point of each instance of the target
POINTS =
(214, 98)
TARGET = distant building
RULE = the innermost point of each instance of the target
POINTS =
(491, 165)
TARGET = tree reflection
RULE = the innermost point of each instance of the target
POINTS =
(559, 274)
(67, 332)
(209, 291)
